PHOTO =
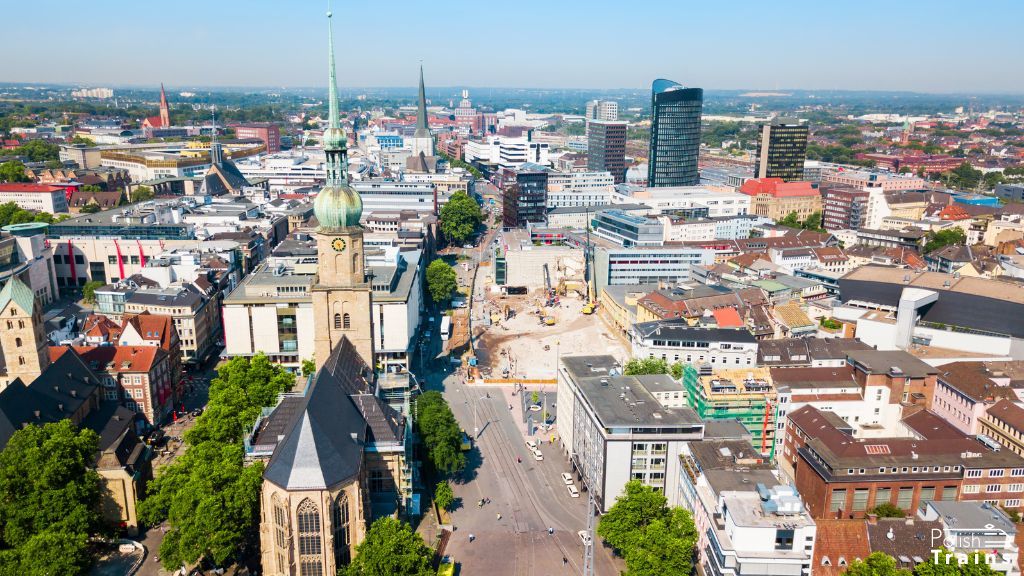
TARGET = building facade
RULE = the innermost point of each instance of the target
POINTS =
(606, 148)
(675, 134)
(781, 150)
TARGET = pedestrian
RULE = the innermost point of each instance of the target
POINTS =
(564, 560)
(551, 531)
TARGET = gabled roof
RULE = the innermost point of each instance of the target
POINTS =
(15, 290)
(837, 544)
(323, 445)
(148, 326)
(99, 326)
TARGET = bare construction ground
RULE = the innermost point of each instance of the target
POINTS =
(527, 348)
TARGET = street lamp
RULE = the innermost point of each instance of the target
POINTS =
(476, 427)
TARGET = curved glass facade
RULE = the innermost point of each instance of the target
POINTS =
(675, 134)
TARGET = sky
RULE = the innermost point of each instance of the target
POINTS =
(922, 46)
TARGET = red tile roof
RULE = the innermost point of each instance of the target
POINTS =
(98, 325)
(777, 188)
(133, 359)
(22, 187)
(152, 327)
(835, 539)
(728, 318)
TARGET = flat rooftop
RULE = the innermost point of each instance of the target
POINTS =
(622, 401)
(746, 510)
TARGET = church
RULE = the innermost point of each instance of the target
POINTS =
(337, 456)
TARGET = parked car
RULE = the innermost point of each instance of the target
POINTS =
(585, 537)
(573, 491)
(538, 455)
(532, 445)
(567, 478)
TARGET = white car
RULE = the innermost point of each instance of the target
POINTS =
(567, 478)
(532, 445)
(587, 540)
(573, 491)
(538, 455)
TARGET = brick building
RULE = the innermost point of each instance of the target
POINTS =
(265, 132)
(842, 471)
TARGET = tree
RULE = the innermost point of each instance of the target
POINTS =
(638, 366)
(209, 496)
(83, 141)
(792, 220)
(440, 433)
(308, 367)
(38, 151)
(49, 499)
(637, 506)
(460, 217)
(888, 510)
(441, 281)
(13, 171)
(813, 222)
(943, 238)
(443, 495)
(877, 564)
(142, 193)
(89, 290)
(391, 548)
(666, 546)
(90, 208)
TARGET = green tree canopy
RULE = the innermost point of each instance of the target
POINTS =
(943, 238)
(38, 151)
(652, 538)
(440, 432)
(639, 505)
(89, 290)
(49, 499)
(460, 217)
(142, 193)
(441, 281)
(13, 171)
(888, 510)
(638, 366)
(443, 495)
(209, 496)
(391, 548)
(877, 564)
(83, 140)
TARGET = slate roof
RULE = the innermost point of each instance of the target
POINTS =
(323, 445)
(21, 294)
(679, 329)
(56, 394)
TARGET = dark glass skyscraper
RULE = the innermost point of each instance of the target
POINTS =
(606, 148)
(781, 150)
(675, 134)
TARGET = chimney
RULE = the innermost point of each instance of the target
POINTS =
(872, 519)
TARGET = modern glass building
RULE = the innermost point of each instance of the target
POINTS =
(781, 150)
(675, 134)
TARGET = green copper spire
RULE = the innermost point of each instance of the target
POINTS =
(422, 128)
(337, 205)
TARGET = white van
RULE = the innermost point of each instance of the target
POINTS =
(573, 492)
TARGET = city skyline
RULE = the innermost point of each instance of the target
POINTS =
(285, 42)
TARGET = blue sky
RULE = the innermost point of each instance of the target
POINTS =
(927, 46)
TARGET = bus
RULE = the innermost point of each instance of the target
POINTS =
(446, 327)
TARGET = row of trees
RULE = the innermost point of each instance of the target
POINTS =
(653, 538)
(209, 496)
(440, 433)
(49, 500)
(642, 366)
(11, 213)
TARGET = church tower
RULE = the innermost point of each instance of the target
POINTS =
(25, 348)
(422, 140)
(341, 293)
(165, 111)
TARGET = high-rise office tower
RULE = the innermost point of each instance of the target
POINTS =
(781, 150)
(675, 134)
(602, 110)
(606, 148)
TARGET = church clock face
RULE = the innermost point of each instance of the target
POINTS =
(338, 244)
